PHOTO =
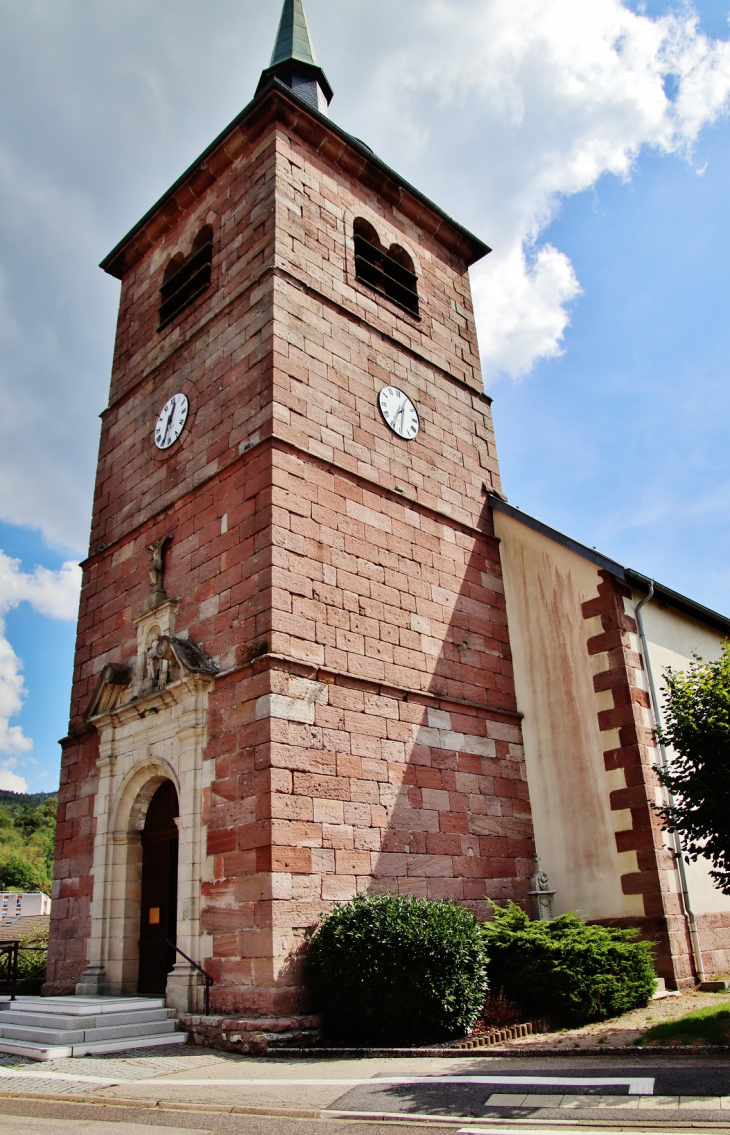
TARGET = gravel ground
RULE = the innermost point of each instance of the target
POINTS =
(624, 1030)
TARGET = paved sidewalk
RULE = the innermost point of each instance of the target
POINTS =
(466, 1090)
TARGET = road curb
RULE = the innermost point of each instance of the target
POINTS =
(614, 1123)
(493, 1050)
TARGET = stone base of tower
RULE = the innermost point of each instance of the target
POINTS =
(335, 786)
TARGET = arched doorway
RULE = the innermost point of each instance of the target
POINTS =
(159, 890)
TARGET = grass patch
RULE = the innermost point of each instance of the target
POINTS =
(704, 1026)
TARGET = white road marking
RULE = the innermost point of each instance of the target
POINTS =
(637, 1085)
(535, 1131)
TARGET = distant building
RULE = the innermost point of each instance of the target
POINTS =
(28, 903)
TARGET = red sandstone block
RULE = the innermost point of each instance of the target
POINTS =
(323, 787)
(219, 842)
(430, 865)
(338, 887)
(365, 791)
(352, 862)
(440, 844)
(338, 836)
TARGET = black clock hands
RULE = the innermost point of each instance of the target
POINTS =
(170, 417)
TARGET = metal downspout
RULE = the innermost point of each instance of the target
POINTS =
(678, 852)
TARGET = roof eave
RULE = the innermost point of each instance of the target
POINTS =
(628, 575)
(227, 147)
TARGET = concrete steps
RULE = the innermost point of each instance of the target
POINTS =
(48, 1028)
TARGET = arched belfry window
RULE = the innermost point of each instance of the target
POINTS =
(185, 278)
(387, 271)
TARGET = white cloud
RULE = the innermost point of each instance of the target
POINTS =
(523, 308)
(10, 781)
(51, 593)
(542, 99)
(499, 110)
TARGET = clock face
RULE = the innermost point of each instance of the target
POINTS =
(171, 421)
(399, 412)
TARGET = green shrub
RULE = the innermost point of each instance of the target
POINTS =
(565, 969)
(32, 958)
(396, 969)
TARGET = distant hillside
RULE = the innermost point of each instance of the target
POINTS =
(27, 829)
(16, 802)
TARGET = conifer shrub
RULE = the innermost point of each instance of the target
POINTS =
(393, 969)
(565, 969)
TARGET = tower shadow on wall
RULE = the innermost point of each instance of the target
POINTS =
(458, 820)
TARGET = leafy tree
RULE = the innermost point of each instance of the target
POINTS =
(697, 729)
(27, 832)
(20, 874)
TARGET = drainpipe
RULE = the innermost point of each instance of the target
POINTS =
(678, 852)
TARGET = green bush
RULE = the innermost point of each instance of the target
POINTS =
(32, 958)
(565, 969)
(396, 969)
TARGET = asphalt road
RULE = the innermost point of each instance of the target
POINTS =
(671, 1093)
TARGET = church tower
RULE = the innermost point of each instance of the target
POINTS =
(293, 678)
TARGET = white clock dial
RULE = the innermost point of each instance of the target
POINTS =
(399, 412)
(171, 421)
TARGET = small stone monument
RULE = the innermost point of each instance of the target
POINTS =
(541, 896)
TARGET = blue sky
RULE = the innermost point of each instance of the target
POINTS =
(589, 144)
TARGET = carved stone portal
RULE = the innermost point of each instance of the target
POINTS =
(150, 714)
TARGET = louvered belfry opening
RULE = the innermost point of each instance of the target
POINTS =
(186, 279)
(387, 271)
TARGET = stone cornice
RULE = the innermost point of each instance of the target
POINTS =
(459, 523)
(276, 103)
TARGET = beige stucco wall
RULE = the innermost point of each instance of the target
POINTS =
(545, 585)
(671, 638)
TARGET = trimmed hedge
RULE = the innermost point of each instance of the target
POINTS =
(395, 969)
(565, 969)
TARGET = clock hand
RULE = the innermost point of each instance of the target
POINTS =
(170, 416)
(401, 412)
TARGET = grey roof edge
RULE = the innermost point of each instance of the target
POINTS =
(635, 578)
(557, 537)
(681, 602)
(365, 151)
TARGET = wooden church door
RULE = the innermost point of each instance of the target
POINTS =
(159, 891)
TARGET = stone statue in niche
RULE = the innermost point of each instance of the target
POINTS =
(168, 658)
(156, 552)
(157, 665)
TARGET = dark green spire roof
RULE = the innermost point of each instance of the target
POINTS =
(294, 41)
(294, 61)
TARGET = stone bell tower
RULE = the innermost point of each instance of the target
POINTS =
(293, 675)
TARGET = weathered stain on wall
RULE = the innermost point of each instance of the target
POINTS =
(545, 586)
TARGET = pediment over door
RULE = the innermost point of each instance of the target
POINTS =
(166, 660)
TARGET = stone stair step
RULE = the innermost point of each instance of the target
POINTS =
(58, 1052)
(79, 1035)
(47, 1028)
(32, 1019)
(81, 1006)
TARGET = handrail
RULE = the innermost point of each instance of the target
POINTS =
(208, 979)
(9, 973)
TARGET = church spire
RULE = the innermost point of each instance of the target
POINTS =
(294, 60)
